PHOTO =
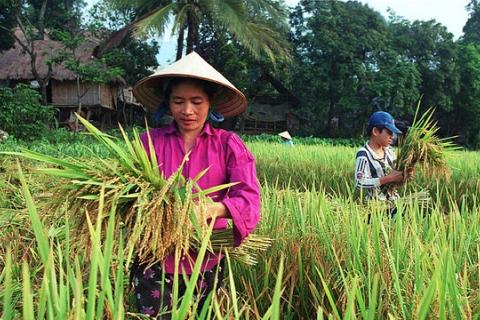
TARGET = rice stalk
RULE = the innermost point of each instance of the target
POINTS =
(422, 147)
(156, 216)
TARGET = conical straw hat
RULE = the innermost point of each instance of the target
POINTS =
(285, 135)
(229, 101)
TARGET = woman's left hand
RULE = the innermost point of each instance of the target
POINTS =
(217, 210)
(213, 210)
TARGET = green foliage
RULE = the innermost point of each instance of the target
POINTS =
(350, 61)
(65, 15)
(472, 27)
(247, 72)
(344, 63)
(431, 47)
(7, 20)
(135, 56)
(464, 120)
(94, 70)
(38, 16)
(245, 21)
(21, 113)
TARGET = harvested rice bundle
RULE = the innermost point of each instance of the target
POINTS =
(156, 215)
(422, 147)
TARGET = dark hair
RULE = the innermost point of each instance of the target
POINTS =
(370, 129)
(209, 88)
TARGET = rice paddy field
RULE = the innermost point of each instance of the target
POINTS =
(331, 256)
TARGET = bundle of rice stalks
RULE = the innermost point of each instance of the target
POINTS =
(155, 215)
(421, 147)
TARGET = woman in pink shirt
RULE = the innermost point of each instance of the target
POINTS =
(189, 89)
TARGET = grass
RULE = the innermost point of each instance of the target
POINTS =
(323, 166)
(421, 147)
(326, 260)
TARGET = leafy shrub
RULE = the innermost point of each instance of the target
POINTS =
(22, 115)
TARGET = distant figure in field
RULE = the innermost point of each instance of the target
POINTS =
(3, 135)
(73, 124)
(286, 138)
(374, 173)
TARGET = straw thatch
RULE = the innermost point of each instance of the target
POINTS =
(15, 64)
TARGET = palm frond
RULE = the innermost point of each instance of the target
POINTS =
(256, 36)
(156, 21)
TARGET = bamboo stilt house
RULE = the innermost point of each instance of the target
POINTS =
(16, 67)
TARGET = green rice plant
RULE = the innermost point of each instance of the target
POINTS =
(61, 291)
(158, 214)
(6, 279)
(37, 227)
(338, 263)
(422, 147)
(421, 264)
(323, 166)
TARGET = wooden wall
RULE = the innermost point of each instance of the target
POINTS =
(108, 96)
(64, 93)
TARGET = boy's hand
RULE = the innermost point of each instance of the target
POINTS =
(410, 173)
(394, 177)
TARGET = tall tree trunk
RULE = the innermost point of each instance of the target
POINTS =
(42, 82)
(41, 20)
(29, 47)
(192, 32)
(79, 100)
(181, 35)
(43, 91)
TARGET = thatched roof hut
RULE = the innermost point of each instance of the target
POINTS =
(271, 113)
(15, 66)
(15, 63)
(267, 114)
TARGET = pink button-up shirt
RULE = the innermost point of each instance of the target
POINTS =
(228, 160)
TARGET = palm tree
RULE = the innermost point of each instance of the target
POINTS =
(251, 22)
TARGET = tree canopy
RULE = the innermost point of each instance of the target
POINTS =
(249, 22)
(337, 61)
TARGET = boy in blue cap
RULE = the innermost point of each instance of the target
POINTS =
(374, 174)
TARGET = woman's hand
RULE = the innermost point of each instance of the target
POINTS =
(213, 210)
(217, 210)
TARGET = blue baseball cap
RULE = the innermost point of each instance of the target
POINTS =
(384, 119)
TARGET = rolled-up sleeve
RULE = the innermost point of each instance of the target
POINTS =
(243, 199)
